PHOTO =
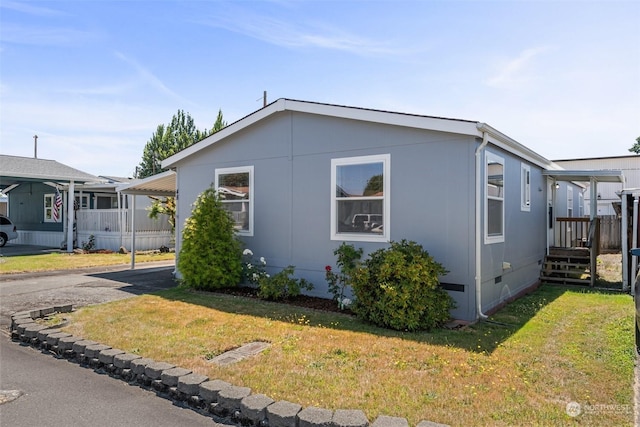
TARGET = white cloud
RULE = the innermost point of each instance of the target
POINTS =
(515, 72)
(45, 36)
(281, 33)
(148, 77)
(29, 8)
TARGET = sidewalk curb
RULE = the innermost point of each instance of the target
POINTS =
(215, 398)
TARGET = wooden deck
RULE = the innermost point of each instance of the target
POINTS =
(574, 258)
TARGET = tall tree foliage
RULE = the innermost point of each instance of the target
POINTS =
(169, 139)
(166, 141)
(636, 146)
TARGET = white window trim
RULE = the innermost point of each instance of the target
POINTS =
(385, 159)
(51, 196)
(240, 169)
(569, 201)
(580, 204)
(525, 187)
(493, 158)
(82, 198)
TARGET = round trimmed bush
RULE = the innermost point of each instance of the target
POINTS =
(398, 288)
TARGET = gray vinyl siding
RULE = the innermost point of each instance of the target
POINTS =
(27, 207)
(432, 199)
(524, 243)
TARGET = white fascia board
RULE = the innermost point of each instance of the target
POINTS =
(385, 117)
(511, 145)
(354, 113)
(279, 105)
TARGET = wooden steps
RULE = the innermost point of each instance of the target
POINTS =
(567, 266)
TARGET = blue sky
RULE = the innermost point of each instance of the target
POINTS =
(93, 79)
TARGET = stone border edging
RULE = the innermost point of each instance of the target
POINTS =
(214, 398)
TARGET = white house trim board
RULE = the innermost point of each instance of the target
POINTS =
(457, 126)
(160, 185)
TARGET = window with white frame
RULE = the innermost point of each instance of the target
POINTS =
(494, 194)
(569, 201)
(106, 201)
(82, 201)
(580, 204)
(525, 187)
(235, 189)
(360, 199)
(52, 208)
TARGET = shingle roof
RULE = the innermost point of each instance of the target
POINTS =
(16, 169)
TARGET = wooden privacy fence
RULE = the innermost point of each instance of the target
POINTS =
(610, 233)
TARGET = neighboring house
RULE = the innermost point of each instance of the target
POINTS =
(4, 205)
(99, 209)
(608, 193)
(301, 178)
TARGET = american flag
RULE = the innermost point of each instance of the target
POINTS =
(57, 204)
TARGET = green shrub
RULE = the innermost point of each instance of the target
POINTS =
(348, 260)
(398, 288)
(210, 257)
(281, 285)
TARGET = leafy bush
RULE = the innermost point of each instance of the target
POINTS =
(281, 285)
(348, 259)
(90, 245)
(210, 257)
(398, 288)
(253, 272)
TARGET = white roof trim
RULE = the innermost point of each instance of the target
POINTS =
(463, 127)
(587, 175)
(161, 185)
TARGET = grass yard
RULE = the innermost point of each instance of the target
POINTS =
(555, 346)
(64, 261)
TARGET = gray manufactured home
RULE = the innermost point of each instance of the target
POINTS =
(300, 178)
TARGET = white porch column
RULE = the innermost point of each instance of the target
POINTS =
(70, 215)
(593, 208)
(133, 231)
(625, 245)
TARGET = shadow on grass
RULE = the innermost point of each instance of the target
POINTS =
(482, 337)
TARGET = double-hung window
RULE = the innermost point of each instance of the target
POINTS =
(235, 189)
(49, 200)
(494, 203)
(360, 202)
(569, 201)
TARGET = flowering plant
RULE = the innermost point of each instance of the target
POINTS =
(348, 260)
(253, 272)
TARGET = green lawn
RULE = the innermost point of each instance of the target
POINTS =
(555, 346)
(63, 261)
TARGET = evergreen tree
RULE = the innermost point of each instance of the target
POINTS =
(636, 146)
(210, 257)
(166, 141)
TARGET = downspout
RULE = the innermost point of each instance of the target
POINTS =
(634, 244)
(478, 236)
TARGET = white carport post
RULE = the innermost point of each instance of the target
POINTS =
(625, 244)
(133, 231)
(70, 200)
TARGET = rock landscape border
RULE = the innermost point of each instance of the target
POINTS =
(215, 398)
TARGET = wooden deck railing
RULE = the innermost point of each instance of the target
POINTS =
(571, 232)
(579, 233)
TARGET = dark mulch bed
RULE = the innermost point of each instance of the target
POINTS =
(305, 301)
